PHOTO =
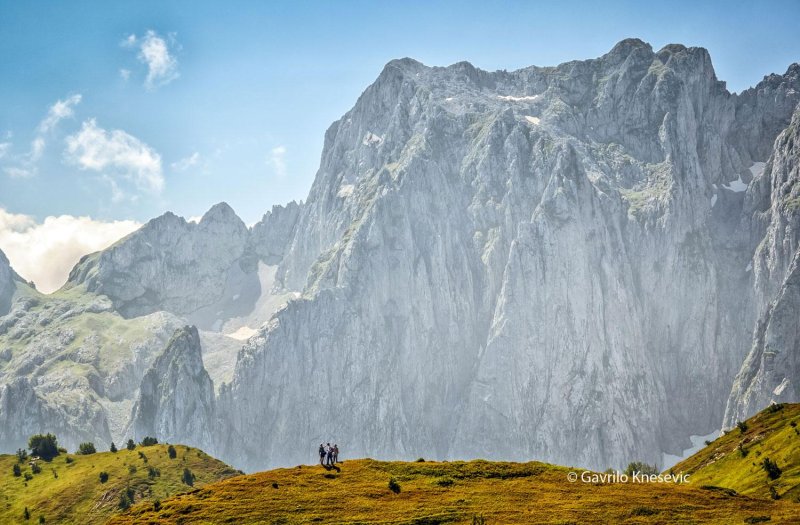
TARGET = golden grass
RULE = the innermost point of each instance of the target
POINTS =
(444, 493)
(77, 495)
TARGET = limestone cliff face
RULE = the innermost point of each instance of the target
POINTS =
(543, 263)
(169, 264)
(270, 236)
(7, 286)
(176, 397)
(771, 372)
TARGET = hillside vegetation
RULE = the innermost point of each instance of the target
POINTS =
(475, 492)
(728, 484)
(69, 489)
(737, 459)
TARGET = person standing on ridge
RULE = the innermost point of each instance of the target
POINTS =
(321, 454)
(335, 453)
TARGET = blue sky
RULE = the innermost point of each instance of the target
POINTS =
(238, 110)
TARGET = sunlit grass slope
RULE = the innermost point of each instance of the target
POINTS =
(736, 460)
(444, 493)
(69, 490)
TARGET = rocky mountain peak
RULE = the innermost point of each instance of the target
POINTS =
(176, 396)
(222, 213)
(627, 47)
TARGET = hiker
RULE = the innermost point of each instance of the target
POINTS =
(335, 453)
(321, 454)
(330, 454)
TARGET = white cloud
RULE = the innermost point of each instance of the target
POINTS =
(37, 149)
(277, 160)
(26, 163)
(125, 74)
(19, 173)
(186, 163)
(154, 52)
(59, 111)
(46, 252)
(129, 41)
(116, 154)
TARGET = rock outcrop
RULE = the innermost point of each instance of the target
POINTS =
(771, 372)
(192, 270)
(7, 284)
(270, 236)
(176, 398)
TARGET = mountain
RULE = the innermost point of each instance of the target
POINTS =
(176, 396)
(68, 489)
(771, 372)
(70, 364)
(582, 264)
(546, 263)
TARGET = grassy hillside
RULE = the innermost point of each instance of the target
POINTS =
(736, 459)
(454, 492)
(68, 489)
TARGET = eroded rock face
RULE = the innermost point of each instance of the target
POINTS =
(188, 269)
(771, 372)
(548, 263)
(270, 236)
(176, 398)
(7, 287)
(71, 365)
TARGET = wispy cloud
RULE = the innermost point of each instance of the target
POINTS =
(186, 162)
(117, 155)
(15, 172)
(46, 252)
(59, 111)
(125, 74)
(155, 53)
(25, 164)
(277, 160)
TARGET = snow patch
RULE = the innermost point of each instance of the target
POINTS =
(449, 99)
(749, 266)
(511, 98)
(780, 388)
(533, 120)
(345, 191)
(236, 297)
(737, 186)
(757, 168)
(698, 442)
(713, 200)
(371, 139)
(243, 333)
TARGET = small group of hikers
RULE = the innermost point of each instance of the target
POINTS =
(328, 455)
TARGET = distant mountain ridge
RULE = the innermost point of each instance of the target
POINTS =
(562, 263)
